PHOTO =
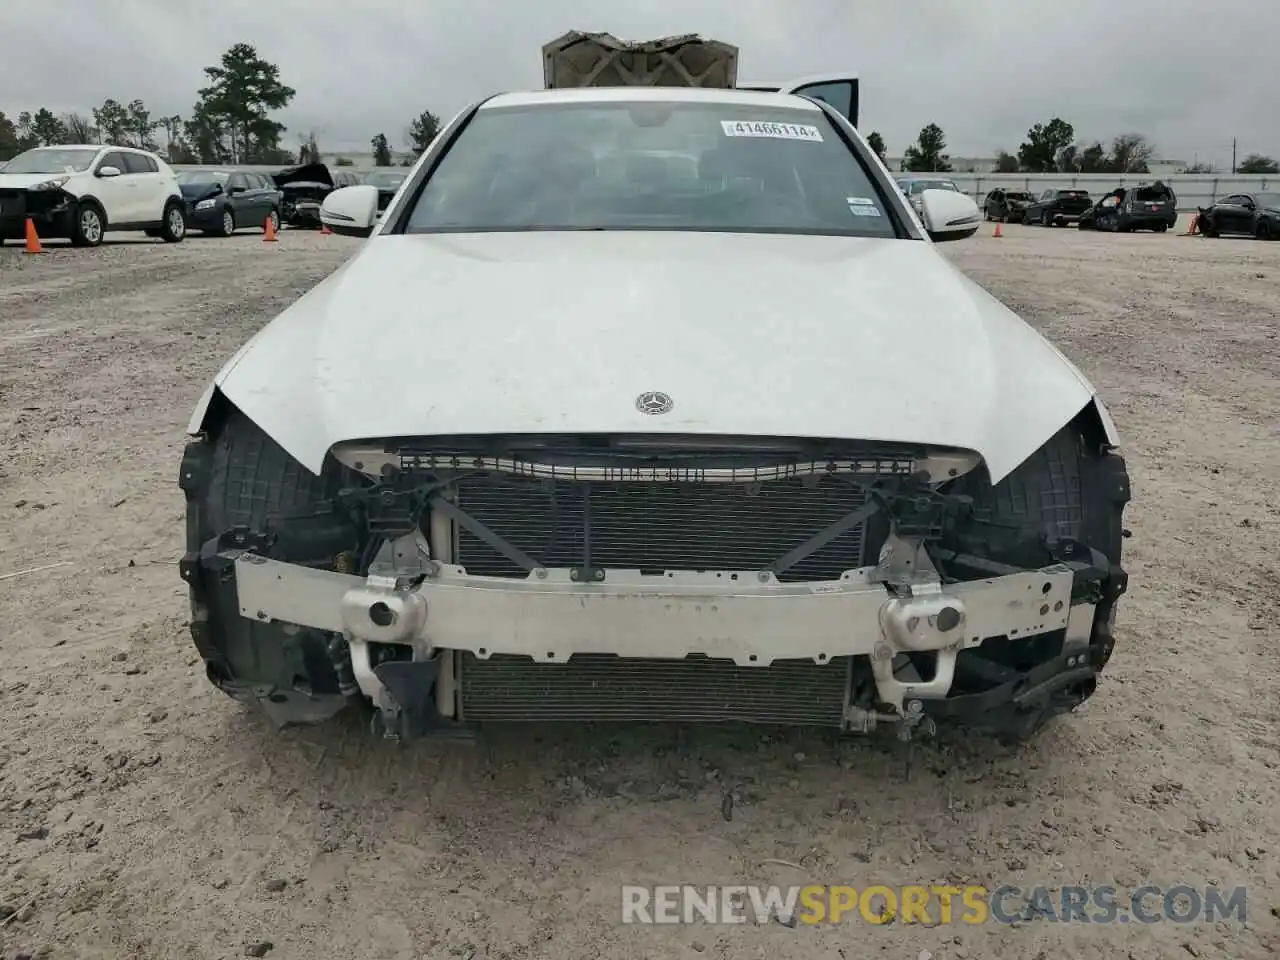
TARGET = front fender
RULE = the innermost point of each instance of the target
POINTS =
(196, 425)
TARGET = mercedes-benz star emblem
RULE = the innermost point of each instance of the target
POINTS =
(654, 402)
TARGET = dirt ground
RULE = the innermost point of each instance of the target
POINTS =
(145, 815)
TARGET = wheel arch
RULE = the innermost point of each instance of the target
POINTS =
(97, 204)
(210, 411)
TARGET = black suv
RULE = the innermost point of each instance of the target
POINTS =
(1153, 207)
(1058, 207)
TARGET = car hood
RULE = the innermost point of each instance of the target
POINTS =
(310, 173)
(21, 181)
(551, 332)
(199, 191)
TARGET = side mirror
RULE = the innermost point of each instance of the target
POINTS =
(232, 191)
(108, 171)
(949, 215)
(351, 211)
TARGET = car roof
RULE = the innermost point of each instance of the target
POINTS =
(119, 147)
(650, 95)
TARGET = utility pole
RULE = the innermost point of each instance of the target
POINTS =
(1233, 156)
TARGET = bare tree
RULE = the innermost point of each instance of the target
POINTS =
(80, 129)
(1130, 153)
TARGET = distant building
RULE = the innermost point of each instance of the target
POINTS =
(979, 165)
(364, 160)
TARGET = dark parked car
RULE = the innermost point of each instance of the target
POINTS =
(1056, 207)
(1007, 205)
(388, 183)
(1250, 214)
(1124, 209)
(222, 201)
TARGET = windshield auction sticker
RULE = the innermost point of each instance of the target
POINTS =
(862, 207)
(772, 131)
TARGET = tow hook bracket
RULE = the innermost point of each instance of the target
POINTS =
(412, 686)
(915, 718)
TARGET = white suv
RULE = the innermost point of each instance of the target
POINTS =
(81, 191)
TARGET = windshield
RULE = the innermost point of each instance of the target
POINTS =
(919, 186)
(385, 179)
(52, 160)
(203, 176)
(631, 165)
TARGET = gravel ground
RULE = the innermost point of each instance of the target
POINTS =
(144, 815)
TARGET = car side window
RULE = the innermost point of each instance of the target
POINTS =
(237, 182)
(263, 182)
(114, 160)
(152, 165)
(135, 163)
(1047, 195)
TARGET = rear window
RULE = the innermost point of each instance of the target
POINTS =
(627, 165)
(1151, 194)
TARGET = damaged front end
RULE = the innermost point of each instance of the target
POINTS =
(302, 191)
(50, 208)
(670, 579)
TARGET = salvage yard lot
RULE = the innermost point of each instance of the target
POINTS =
(143, 814)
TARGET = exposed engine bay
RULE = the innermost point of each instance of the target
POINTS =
(668, 578)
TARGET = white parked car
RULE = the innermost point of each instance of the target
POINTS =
(79, 192)
(913, 189)
(582, 432)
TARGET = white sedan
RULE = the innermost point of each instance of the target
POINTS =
(652, 404)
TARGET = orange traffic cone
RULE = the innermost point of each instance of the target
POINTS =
(997, 234)
(269, 231)
(1194, 227)
(324, 228)
(33, 238)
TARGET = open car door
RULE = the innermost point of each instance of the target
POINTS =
(839, 90)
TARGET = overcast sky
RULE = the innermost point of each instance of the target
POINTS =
(1188, 73)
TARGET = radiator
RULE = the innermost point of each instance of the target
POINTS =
(605, 688)
(660, 526)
